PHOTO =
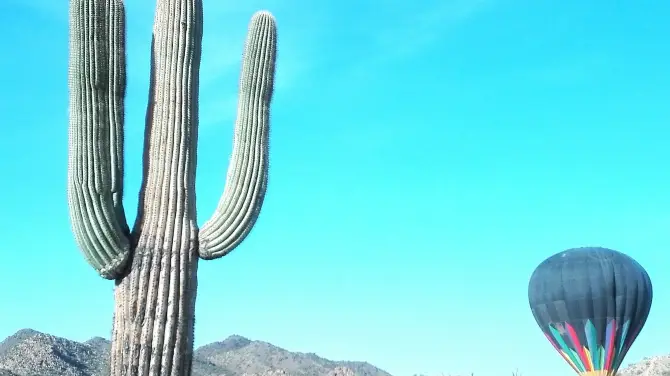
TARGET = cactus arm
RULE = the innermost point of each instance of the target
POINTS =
(95, 163)
(247, 176)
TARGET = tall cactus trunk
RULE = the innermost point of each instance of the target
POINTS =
(155, 301)
(155, 265)
(154, 313)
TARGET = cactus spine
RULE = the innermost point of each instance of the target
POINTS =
(154, 265)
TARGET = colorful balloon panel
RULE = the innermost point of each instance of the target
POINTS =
(591, 304)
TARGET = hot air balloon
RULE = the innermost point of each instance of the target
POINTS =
(591, 304)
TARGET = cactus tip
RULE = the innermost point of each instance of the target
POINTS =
(263, 14)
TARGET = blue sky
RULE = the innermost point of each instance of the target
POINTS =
(425, 158)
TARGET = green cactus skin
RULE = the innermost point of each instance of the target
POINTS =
(155, 265)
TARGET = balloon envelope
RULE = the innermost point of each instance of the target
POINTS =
(591, 304)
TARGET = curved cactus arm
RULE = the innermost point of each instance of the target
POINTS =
(95, 166)
(247, 176)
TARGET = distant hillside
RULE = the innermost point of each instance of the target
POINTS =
(31, 353)
(652, 366)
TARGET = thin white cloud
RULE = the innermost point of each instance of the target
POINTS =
(52, 8)
(403, 32)
(424, 26)
(223, 43)
(567, 71)
(221, 56)
(218, 112)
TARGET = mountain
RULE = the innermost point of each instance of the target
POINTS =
(652, 366)
(31, 353)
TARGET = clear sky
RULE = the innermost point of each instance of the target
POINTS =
(425, 158)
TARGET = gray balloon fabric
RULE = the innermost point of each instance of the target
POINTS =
(591, 304)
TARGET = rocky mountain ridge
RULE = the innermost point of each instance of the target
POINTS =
(32, 353)
(651, 366)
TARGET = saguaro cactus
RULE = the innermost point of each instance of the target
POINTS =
(154, 265)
